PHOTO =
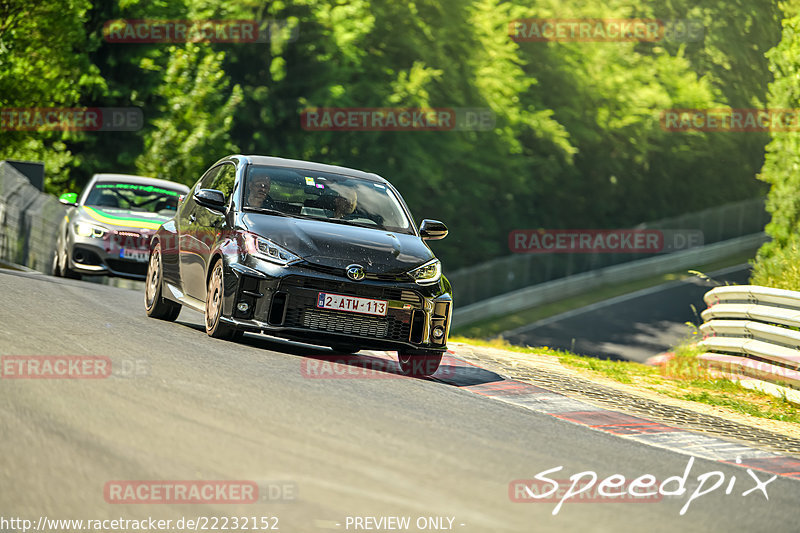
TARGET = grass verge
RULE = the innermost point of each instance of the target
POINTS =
(780, 268)
(685, 377)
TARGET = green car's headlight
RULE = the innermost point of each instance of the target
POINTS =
(83, 229)
(427, 273)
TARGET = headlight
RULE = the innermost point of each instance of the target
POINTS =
(428, 273)
(90, 230)
(268, 250)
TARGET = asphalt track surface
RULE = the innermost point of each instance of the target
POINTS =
(631, 327)
(204, 409)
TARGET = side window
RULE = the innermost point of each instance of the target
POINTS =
(208, 179)
(224, 180)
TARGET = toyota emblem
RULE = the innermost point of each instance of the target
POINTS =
(355, 272)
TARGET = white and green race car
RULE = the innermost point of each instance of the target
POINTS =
(106, 231)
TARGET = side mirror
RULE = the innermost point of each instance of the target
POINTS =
(432, 230)
(69, 198)
(210, 198)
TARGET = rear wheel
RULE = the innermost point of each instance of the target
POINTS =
(214, 326)
(419, 363)
(154, 305)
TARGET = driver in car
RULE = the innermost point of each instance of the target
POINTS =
(258, 192)
(257, 195)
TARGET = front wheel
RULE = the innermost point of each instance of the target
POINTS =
(214, 326)
(419, 364)
(56, 268)
(154, 305)
(61, 267)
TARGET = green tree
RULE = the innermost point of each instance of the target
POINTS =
(44, 62)
(777, 260)
(195, 118)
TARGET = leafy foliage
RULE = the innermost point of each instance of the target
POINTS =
(576, 143)
(43, 63)
(195, 118)
(776, 264)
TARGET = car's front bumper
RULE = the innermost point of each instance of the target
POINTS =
(283, 303)
(93, 256)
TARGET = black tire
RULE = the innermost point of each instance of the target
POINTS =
(61, 267)
(56, 270)
(213, 311)
(69, 274)
(419, 364)
(154, 305)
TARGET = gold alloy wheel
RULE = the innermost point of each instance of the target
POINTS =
(153, 277)
(214, 298)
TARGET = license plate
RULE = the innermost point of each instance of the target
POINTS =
(135, 255)
(351, 304)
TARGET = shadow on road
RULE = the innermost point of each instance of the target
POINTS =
(321, 362)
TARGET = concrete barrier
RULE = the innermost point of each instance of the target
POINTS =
(29, 221)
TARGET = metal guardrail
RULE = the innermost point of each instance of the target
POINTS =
(753, 331)
(504, 275)
(559, 289)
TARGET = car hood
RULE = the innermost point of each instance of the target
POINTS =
(329, 244)
(124, 218)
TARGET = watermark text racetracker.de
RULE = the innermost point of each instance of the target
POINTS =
(71, 119)
(586, 487)
(164, 491)
(397, 119)
(602, 241)
(71, 367)
(133, 31)
(605, 30)
(730, 120)
(368, 367)
(194, 523)
(726, 366)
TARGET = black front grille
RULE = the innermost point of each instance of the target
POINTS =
(127, 267)
(302, 311)
(362, 290)
(378, 327)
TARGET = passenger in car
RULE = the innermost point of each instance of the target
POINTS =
(345, 203)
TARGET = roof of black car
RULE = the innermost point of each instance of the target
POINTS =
(310, 165)
(139, 180)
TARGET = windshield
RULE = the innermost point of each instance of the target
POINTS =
(321, 195)
(134, 197)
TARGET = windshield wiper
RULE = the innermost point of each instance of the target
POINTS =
(268, 211)
(265, 210)
(351, 223)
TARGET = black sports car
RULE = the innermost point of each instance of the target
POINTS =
(311, 252)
